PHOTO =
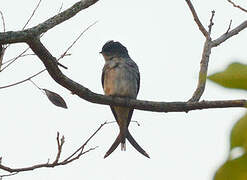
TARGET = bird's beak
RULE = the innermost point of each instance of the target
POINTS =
(100, 52)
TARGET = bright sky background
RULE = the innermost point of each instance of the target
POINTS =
(165, 42)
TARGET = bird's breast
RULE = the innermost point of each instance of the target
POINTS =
(120, 81)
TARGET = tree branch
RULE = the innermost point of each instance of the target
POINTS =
(2, 51)
(24, 80)
(204, 64)
(36, 74)
(211, 23)
(6, 175)
(197, 20)
(205, 55)
(229, 27)
(3, 21)
(29, 19)
(50, 63)
(14, 59)
(25, 35)
(208, 45)
(229, 34)
(237, 6)
(60, 142)
(31, 37)
(203, 71)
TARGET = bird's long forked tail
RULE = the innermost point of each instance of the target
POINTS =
(136, 145)
(132, 142)
(114, 145)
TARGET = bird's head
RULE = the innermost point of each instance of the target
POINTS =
(113, 49)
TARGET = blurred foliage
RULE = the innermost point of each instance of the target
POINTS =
(235, 167)
(239, 134)
(235, 76)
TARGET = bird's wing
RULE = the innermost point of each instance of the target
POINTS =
(129, 115)
(138, 82)
(103, 77)
(135, 69)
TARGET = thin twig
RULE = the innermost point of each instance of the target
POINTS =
(20, 56)
(35, 9)
(14, 59)
(197, 20)
(35, 85)
(6, 175)
(111, 122)
(73, 43)
(25, 36)
(230, 33)
(82, 146)
(62, 56)
(3, 21)
(60, 9)
(237, 6)
(33, 12)
(78, 156)
(24, 80)
(69, 159)
(229, 27)
(60, 143)
(2, 47)
(138, 124)
(2, 51)
(211, 23)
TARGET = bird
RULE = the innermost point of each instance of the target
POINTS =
(120, 78)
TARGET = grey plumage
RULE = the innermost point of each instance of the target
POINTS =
(120, 77)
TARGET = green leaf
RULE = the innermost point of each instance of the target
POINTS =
(235, 76)
(238, 136)
(235, 169)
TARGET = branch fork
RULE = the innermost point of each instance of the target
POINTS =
(208, 45)
(57, 162)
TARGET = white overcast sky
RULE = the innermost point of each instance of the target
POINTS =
(165, 42)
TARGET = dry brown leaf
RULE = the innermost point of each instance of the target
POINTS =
(55, 98)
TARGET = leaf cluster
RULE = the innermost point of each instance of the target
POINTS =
(235, 167)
